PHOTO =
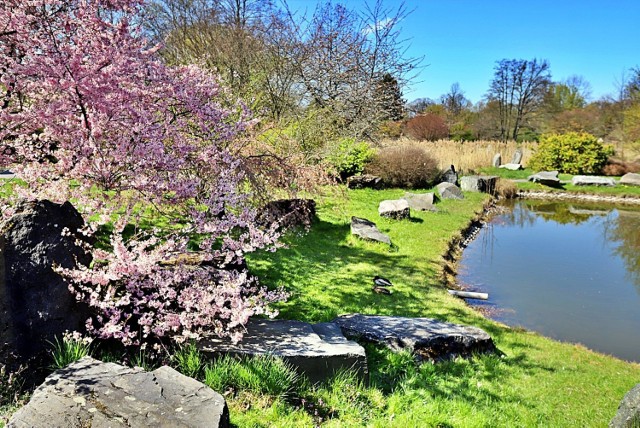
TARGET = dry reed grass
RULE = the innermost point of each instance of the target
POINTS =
(467, 156)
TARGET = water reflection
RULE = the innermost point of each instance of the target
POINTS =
(569, 271)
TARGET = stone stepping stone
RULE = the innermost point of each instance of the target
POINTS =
(548, 178)
(427, 338)
(420, 201)
(397, 209)
(90, 393)
(630, 179)
(479, 183)
(449, 191)
(590, 180)
(368, 230)
(318, 351)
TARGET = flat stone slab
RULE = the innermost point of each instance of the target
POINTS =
(479, 183)
(317, 351)
(448, 190)
(512, 166)
(630, 179)
(397, 209)
(428, 338)
(548, 178)
(368, 230)
(90, 393)
(628, 414)
(591, 180)
(420, 201)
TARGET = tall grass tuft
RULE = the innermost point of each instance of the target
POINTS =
(68, 350)
(261, 375)
(188, 360)
(467, 156)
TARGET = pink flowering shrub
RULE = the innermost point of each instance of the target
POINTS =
(90, 114)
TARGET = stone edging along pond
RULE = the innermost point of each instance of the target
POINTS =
(585, 197)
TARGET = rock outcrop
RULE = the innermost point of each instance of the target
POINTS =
(630, 179)
(318, 351)
(479, 183)
(548, 178)
(592, 180)
(448, 190)
(628, 415)
(397, 209)
(365, 229)
(36, 305)
(420, 201)
(427, 338)
(365, 181)
(90, 393)
(289, 212)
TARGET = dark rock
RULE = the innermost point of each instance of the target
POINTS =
(479, 183)
(36, 305)
(548, 178)
(428, 338)
(590, 180)
(450, 176)
(511, 166)
(517, 157)
(289, 213)
(628, 415)
(630, 179)
(497, 160)
(397, 209)
(449, 191)
(318, 351)
(90, 393)
(364, 181)
(366, 229)
(420, 201)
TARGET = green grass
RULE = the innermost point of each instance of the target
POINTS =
(619, 190)
(538, 382)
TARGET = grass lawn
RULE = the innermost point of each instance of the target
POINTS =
(538, 382)
(619, 190)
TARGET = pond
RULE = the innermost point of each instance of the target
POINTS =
(567, 271)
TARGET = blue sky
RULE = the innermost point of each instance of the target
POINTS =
(461, 40)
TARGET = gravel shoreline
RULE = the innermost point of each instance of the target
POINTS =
(587, 197)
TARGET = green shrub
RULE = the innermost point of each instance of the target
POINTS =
(404, 166)
(350, 157)
(572, 153)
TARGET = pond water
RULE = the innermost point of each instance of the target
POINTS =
(568, 271)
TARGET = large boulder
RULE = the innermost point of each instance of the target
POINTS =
(289, 212)
(90, 393)
(36, 305)
(397, 209)
(365, 181)
(592, 180)
(449, 191)
(427, 338)
(628, 415)
(479, 183)
(420, 201)
(450, 175)
(318, 351)
(548, 178)
(630, 179)
(368, 230)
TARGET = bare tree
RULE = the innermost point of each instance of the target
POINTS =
(519, 87)
(454, 101)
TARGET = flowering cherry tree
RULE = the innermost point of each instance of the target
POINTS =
(88, 113)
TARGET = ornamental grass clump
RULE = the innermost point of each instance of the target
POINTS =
(91, 114)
